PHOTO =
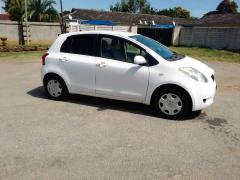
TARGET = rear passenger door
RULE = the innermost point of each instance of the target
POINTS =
(77, 60)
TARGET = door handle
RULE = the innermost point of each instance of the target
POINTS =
(64, 59)
(101, 64)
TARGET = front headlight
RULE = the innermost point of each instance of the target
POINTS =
(194, 74)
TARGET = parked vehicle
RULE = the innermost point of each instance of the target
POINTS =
(128, 67)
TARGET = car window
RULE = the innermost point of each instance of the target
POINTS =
(83, 44)
(151, 60)
(131, 51)
(66, 45)
(119, 49)
(112, 48)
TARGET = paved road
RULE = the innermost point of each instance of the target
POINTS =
(92, 138)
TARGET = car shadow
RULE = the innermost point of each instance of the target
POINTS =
(103, 104)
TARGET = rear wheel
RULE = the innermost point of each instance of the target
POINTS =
(172, 103)
(55, 87)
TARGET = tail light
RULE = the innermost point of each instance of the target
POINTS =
(44, 59)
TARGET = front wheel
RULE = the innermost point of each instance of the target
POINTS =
(172, 103)
(55, 88)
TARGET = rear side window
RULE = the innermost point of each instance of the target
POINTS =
(66, 45)
(80, 44)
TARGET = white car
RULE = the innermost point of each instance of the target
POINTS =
(128, 67)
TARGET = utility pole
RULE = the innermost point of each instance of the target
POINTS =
(62, 21)
(26, 22)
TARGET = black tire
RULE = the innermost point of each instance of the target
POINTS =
(64, 91)
(182, 94)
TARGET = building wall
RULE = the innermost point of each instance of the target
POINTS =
(40, 33)
(210, 37)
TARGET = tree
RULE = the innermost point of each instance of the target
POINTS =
(133, 6)
(42, 10)
(15, 8)
(38, 10)
(177, 12)
(225, 6)
(144, 7)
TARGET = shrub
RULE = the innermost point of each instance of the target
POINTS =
(4, 41)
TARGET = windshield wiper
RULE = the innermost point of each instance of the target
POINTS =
(175, 57)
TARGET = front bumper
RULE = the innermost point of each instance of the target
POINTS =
(203, 95)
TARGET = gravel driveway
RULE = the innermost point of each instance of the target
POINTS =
(93, 138)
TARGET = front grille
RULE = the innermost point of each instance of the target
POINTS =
(213, 78)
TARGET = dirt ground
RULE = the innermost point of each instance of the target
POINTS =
(93, 138)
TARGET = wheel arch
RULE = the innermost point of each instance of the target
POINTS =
(50, 74)
(174, 86)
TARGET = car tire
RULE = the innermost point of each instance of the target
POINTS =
(55, 87)
(172, 103)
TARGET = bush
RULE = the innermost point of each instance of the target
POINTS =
(22, 48)
(4, 41)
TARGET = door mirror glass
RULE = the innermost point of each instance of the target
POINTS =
(140, 60)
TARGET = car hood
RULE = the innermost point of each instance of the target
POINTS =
(191, 62)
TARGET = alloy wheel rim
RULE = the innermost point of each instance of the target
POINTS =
(170, 104)
(54, 88)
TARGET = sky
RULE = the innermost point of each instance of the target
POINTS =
(197, 7)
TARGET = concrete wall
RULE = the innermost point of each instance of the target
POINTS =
(10, 30)
(45, 33)
(41, 33)
(210, 37)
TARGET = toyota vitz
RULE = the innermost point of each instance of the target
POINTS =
(128, 67)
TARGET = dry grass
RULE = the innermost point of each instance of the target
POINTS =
(25, 55)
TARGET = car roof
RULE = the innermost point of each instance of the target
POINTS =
(114, 33)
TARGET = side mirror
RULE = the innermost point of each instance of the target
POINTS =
(140, 60)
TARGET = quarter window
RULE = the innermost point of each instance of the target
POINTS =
(66, 45)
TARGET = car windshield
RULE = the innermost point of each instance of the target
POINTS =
(157, 47)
